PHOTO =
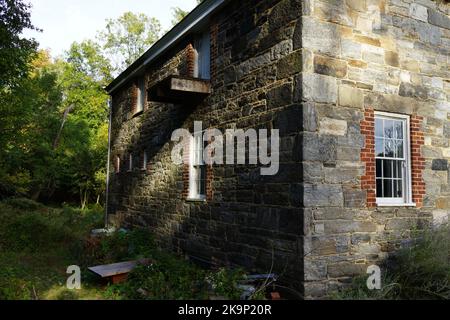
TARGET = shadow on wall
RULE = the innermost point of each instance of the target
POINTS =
(216, 233)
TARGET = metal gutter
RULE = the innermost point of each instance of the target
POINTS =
(193, 19)
(108, 164)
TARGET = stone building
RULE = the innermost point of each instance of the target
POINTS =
(359, 90)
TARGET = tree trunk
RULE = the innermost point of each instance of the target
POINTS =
(64, 119)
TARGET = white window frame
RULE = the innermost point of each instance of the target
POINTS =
(202, 56)
(117, 164)
(144, 160)
(196, 165)
(130, 162)
(140, 95)
(406, 200)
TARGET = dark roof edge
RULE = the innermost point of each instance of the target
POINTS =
(194, 18)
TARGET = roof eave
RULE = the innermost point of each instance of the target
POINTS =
(193, 19)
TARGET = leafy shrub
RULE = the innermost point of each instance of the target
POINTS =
(224, 281)
(419, 271)
(23, 203)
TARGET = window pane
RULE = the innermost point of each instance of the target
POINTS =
(379, 188)
(389, 148)
(397, 188)
(379, 147)
(387, 188)
(399, 129)
(399, 149)
(202, 181)
(388, 128)
(379, 128)
(387, 169)
(399, 169)
(379, 167)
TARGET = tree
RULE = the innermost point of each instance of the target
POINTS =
(15, 51)
(178, 14)
(128, 37)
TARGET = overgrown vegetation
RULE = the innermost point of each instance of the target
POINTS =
(53, 146)
(419, 271)
(38, 243)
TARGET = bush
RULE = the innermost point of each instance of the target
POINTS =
(168, 277)
(419, 271)
(23, 203)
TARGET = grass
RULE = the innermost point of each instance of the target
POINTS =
(419, 271)
(38, 243)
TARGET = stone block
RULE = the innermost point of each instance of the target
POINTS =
(322, 196)
(319, 88)
(330, 66)
(418, 12)
(345, 269)
(279, 96)
(332, 126)
(391, 58)
(343, 226)
(439, 165)
(354, 198)
(351, 97)
(438, 19)
(318, 148)
(351, 49)
(289, 65)
(315, 270)
(320, 37)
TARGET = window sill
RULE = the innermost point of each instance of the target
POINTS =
(196, 199)
(396, 204)
(137, 113)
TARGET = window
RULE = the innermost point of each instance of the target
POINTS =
(197, 170)
(130, 162)
(140, 95)
(117, 164)
(144, 160)
(202, 47)
(392, 156)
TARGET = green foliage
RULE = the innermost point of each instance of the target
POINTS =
(128, 37)
(15, 51)
(420, 271)
(54, 125)
(178, 14)
(36, 245)
(224, 281)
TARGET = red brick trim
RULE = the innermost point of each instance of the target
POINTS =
(190, 56)
(185, 173)
(146, 93)
(417, 160)
(368, 181)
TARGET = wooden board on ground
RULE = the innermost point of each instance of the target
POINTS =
(117, 271)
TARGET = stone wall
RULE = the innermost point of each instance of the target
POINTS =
(317, 71)
(359, 57)
(249, 220)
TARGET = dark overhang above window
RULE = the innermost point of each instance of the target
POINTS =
(179, 89)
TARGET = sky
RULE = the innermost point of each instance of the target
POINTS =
(66, 21)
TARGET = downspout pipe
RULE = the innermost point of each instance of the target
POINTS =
(108, 163)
